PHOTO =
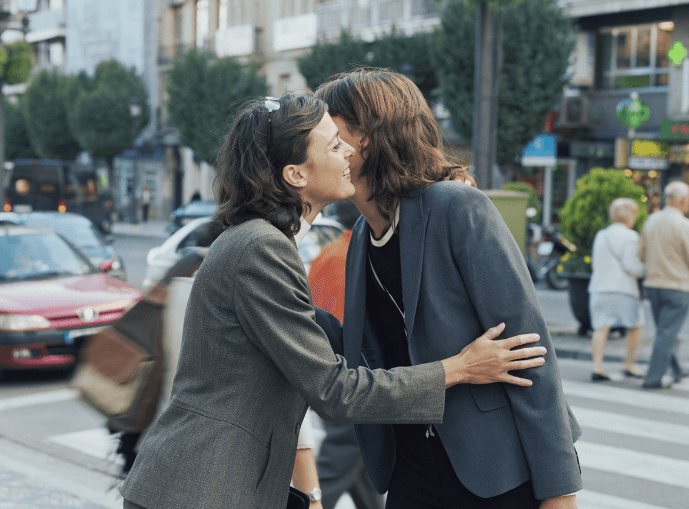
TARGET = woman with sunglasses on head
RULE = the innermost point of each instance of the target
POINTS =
(253, 358)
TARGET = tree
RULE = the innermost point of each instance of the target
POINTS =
(17, 141)
(203, 96)
(406, 54)
(99, 115)
(15, 66)
(538, 42)
(46, 117)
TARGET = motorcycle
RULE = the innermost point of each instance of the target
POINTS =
(549, 246)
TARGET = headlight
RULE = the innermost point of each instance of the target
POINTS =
(17, 323)
(116, 264)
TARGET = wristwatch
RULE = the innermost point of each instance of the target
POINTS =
(315, 495)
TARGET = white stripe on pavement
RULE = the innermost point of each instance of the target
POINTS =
(640, 465)
(593, 500)
(632, 426)
(97, 442)
(40, 398)
(652, 400)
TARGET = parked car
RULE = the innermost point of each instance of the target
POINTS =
(186, 214)
(201, 232)
(51, 299)
(62, 186)
(80, 231)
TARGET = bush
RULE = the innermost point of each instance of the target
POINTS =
(586, 213)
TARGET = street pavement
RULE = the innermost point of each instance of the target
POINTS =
(634, 451)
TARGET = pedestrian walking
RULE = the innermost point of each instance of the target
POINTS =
(665, 249)
(430, 263)
(253, 358)
(145, 203)
(615, 300)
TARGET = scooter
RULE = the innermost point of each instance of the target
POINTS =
(550, 248)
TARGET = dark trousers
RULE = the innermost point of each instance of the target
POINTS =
(669, 311)
(424, 478)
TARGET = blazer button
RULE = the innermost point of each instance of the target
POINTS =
(296, 428)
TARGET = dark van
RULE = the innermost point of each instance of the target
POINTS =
(45, 184)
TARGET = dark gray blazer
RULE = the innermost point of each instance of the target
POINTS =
(252, 361)
(462, 272)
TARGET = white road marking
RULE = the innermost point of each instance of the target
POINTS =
(40, 398)
(636, 464)
(592, 500)
(96, 442)
(632, 426)
(652, 400)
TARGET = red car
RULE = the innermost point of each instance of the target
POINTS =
(51, 298)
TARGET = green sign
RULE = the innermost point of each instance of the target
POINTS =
(677, 54)
(675, 130)
(632, 113)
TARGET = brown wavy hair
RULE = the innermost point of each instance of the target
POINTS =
(249, 182)
(405, 148)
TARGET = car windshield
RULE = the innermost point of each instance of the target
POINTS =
(80, 233)
(39, 256)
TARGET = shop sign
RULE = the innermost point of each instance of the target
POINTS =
(649, 148)
(591, 149)
(679, 154)
(541, 151)
(675, 130)
(648, 163)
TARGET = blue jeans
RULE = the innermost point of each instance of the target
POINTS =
(669, 311)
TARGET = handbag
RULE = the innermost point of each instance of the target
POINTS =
(297, 499)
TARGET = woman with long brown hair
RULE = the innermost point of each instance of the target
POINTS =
(431, 263)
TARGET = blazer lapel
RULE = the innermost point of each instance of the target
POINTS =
(355, 294)
(412, 228)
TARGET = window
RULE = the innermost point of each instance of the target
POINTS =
(635, 56)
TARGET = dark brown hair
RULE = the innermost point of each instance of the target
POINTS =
(405, 149)
(249, 183)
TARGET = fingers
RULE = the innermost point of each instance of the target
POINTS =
(525, 353)
(494, 332)
(514, 380)
(526, 364)
(522, 339)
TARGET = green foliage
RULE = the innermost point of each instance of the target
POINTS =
(99, 108)
(17, 141)
(203, 96)
(392, 51)
(533, 202)
(586, 212)
(45, 115)
(537, 42)
(15, 62)
(328, 58)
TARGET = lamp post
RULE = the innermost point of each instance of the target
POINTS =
(132, 183)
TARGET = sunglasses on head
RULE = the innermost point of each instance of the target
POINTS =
(271, 104)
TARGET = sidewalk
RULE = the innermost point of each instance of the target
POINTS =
(154, 228)
(569, 345)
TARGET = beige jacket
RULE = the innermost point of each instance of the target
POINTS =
(664, 246)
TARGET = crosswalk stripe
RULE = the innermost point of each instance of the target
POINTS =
(651, 400)
(97, 442)
(632, 426)
(593, 500)
(636, 464)
(40, 398)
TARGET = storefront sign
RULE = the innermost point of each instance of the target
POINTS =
(675, 130)
(591, 149)
(648, 163)
(679, 154)
(541, 151)
(649, 148)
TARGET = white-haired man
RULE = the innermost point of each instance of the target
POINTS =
(664, 247)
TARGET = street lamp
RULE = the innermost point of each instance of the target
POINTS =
(132, 184)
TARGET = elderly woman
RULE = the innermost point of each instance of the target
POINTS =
(252, 357)
(615, 300)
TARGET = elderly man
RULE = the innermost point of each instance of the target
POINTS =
(664, 247)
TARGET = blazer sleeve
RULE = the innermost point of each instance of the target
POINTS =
(273, 306)
(498, 283)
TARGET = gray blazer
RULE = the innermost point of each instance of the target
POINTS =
(252, 361)
(462, 272)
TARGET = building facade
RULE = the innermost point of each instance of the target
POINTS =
(627, 102)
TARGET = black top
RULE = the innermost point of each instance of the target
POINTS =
(385, 306)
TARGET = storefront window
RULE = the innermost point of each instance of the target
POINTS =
(634, 56)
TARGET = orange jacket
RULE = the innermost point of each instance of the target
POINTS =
(327, 276)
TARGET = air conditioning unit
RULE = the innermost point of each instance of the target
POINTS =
(574, 111)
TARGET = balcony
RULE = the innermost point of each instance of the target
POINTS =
(370, 18)
(46, 25)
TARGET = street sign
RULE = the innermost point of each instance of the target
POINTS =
(541, 151)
